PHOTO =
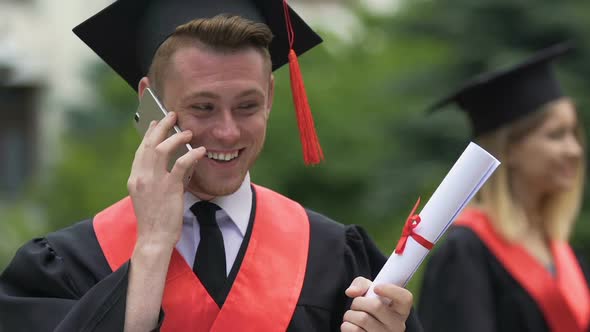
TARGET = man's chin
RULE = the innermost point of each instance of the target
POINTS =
(210, 190)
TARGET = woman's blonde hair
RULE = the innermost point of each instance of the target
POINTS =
(497, 200)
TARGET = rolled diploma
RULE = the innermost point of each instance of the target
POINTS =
(470, 172)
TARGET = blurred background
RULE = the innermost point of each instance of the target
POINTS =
(67, 138)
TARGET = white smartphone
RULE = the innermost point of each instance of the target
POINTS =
(150, 109)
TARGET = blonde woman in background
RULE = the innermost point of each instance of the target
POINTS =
(506, 264)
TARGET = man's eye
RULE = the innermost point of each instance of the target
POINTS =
(247, 106)
(202, 107)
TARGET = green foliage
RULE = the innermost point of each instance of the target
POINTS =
(97, 148)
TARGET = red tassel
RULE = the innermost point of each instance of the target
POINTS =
(312, 151)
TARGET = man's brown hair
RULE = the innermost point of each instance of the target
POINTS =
(222, 33)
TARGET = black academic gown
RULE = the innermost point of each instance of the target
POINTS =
(62, 282)
(466, 288)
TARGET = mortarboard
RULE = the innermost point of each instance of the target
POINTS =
(127, 33)
(494, 99)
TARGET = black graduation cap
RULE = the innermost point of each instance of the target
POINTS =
(127, 34)
(494, 99)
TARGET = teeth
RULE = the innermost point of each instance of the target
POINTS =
(222, 156)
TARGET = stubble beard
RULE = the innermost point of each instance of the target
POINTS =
(200, 185)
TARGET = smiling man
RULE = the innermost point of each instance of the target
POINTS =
(220, 253)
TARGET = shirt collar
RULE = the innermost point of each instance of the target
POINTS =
(237, 205)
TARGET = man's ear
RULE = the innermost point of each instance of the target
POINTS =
(143, 84)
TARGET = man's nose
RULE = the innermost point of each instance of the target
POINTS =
(226, 128)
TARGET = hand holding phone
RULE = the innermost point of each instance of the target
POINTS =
(151, 109)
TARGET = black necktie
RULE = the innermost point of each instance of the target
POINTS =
(209, 263)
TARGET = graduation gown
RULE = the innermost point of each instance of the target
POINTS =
(63, 282)
(467, 287)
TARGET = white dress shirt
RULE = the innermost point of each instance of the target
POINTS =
(232, 220)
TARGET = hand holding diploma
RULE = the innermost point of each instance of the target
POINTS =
(373, 315)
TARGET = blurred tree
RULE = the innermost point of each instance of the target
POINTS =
(97, 148)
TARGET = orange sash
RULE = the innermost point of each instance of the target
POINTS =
(266, 290)
(564, 300)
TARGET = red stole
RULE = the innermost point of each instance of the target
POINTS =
(564, 300)
(266, 290)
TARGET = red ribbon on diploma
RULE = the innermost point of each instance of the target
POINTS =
(412, 222)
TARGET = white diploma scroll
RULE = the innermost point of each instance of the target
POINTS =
(469, 173)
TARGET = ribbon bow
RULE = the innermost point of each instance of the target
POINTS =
(412, 222)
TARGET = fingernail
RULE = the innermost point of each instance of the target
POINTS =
(355, 283)
(171, 114)
(352, 288)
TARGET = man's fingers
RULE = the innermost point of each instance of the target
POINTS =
(160, 132)
(390, 310)
(377, 309)
(349, 327)
(401, 298)
(363, 320)
(169, 146)
(185, 164)
(151, 127)
(358, 287)
(155, 159)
